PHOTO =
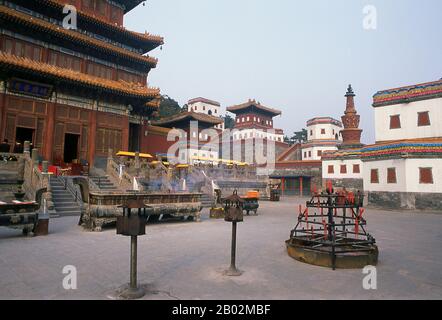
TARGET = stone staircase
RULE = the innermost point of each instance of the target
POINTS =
(104, 183)
(64, 200)
(206, 201)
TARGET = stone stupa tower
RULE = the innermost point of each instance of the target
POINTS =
(351, 135)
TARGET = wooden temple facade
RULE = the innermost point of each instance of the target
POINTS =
(74, 93)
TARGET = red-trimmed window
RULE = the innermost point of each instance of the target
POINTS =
(309, 154)
(426, 176)
(356, 168)
(319, 153)
(322, 131)
(374, 176)
(331, 169)
(395, 122)
(305, 154)
(391, 175)
(423, 119)
(343, 169)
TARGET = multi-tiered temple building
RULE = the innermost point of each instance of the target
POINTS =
(74, 92)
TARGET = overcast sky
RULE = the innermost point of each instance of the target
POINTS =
(296, 56)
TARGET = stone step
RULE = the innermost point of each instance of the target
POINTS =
(67, 209)
(60, 192)
(62, 196)
(67, 214)
(64, 202)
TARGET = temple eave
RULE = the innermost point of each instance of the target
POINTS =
(14, 63)
(43, 26)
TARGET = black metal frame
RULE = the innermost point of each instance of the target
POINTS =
(327, 228)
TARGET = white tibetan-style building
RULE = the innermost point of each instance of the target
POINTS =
(322, 135)
(403, 169)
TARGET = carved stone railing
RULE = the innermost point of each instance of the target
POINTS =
(35, 180)
(102, 208)
(123, 180)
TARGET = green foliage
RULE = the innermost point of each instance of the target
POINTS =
(229, 122)
(299, 136)
(169, 107)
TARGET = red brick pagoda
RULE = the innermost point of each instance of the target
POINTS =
(351, 135)
(74, 93)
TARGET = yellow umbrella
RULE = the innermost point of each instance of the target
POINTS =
(132, 154)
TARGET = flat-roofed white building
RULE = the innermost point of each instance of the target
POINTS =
(206, 106)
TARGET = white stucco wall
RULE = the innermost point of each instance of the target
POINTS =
(202, 107)
(337, 166)
(255, 133)
(412, 169)
(407, 175)
(382, 167)
(314, 152)
(314, 132)
(409, 114)
(186, 155)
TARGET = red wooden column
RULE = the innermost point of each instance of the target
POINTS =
(91, 137)
(49, 136)
(301, 187)
(125, 136)
(2, 115)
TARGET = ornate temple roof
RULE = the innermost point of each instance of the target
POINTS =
(129, 4)
(425, 148)
(253, 105)
(322, 120)
(403, 149)
(147, 41)
(342, 154)
(408, 94)
(47, 27)
(8, 61)
(188, 116)
(204, 100)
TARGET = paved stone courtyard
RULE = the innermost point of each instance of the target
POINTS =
(185, 260)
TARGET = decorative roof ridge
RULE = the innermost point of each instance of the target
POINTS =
(324, 120)
(140, 36)
(27, 19)
(201, 99)
(253, 103)
(186, 114)
(425, 84)
(404, 142)
(408, 94)
(75, 76)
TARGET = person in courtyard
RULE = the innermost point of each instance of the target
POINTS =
(4, 146)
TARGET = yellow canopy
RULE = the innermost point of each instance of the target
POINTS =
(230, 162)
(156, 162)
(132, 154)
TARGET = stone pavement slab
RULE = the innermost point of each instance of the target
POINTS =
(185, 260)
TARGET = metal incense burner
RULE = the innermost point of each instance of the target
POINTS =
(331, 232)
(132, 224)
(233, 208)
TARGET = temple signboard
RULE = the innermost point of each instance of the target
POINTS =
(30, 88)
